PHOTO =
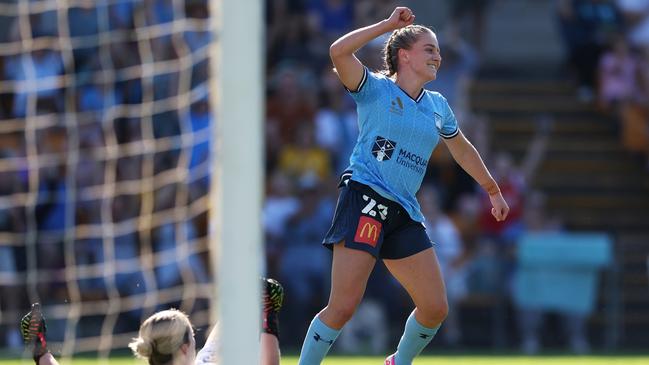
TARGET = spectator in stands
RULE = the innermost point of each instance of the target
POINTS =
(290, 103)
(514, 180)
(287, 38)
(304, 157)
(513, 186)
(586, 27)
(325, 20)
(617, 74)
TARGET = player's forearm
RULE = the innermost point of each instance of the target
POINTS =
(270, 354)
(469, 159)
(47, 359)
(353, 41)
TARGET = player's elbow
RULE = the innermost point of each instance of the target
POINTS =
(336, 50)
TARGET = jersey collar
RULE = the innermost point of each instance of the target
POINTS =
(417, 99)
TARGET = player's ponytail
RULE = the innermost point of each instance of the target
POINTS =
(402, 38)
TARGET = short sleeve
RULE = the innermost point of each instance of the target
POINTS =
(369, 88)
(446, 123)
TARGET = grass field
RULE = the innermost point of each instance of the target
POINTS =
(426, 360)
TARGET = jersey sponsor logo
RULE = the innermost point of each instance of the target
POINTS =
(412, 161)
(397, 106)
(368, 231)
(383, 148)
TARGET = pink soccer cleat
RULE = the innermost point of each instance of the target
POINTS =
(390, 360)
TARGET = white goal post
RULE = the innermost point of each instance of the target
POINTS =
(235, 225)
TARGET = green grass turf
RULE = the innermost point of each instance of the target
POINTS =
(425, 360)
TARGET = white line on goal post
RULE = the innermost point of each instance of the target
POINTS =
(235, 222)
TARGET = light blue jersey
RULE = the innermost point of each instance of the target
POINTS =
(397, 136)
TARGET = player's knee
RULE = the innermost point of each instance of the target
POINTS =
(436, 311)
(343, 312)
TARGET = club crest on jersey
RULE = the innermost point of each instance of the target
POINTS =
(383, 148)
(438, 121)
(397, 106)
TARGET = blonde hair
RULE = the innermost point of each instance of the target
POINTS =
(402, 38)
(161, 336)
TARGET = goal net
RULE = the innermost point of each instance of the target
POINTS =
(105, 166)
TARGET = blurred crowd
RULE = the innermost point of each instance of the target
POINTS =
(607, 47)
(310, 130)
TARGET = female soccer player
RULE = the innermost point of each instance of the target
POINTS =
(377, 215)
(167, 337)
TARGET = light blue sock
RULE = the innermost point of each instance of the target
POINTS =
(415, 337)
(317, 343)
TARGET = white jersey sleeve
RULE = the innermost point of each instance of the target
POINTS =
(208, 355)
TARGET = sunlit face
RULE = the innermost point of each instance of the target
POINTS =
(424, 56)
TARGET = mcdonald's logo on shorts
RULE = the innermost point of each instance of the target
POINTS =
(368, 231)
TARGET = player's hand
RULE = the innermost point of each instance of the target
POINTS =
(272, 299)
(401, 17)
(33, 329)
(500, 208)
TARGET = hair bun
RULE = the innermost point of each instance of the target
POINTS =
(141, 348)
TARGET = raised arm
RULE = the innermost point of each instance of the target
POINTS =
(348, 67)
(469, 159)
(47, 359)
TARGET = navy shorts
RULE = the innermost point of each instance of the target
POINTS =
(368, 222)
